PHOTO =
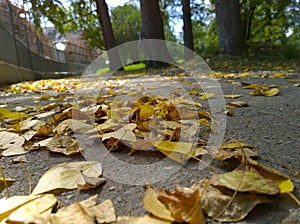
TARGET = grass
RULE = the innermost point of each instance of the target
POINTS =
(130, 67)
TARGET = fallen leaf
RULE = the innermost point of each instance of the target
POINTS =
(184, 205)
(271, 92)
(141, 220)
(238, 104)
(229, 112)
(223, 206)
(11, 143)
(67, 176)
(156, 207)
(62, 144)
(125, 133)
(5, 113)
(104, 212)
(232, 96)
(245, 181)
(74, 126)
(178, 151)
(8, 205)
(90, 182)
(27, 212)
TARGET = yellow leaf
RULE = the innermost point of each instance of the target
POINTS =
(67, 176)
(178, 151)
(234, 145)
(229, 112)
(27, 212)
(146, 111)
(271, 92)
(206, 96)
(252, 86)
(5, 113)
(245, 181)
(8, 205)
(141, 220)
(232, 96)
(285, 186)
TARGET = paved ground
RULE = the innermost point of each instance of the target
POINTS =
(270, 124)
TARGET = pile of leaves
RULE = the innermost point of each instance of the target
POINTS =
(173, 126)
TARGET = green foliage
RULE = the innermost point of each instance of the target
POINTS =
(126, 23)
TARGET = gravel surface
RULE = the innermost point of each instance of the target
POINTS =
(270, 124)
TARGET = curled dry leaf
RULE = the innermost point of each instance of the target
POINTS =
(238, 104)
(67, 176)
(90, 182)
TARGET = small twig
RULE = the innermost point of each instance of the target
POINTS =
(5, 183)
(28, 176)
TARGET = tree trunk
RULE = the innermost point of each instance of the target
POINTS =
(230, 32)
(187, 28)
(108, 35)
(153, 28)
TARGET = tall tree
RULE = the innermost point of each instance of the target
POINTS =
(108, 35)
(153, 28)
(230, 32)
(187, 28)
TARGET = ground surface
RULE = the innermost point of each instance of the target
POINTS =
(270, 124)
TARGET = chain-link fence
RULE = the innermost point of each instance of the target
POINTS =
(26, 54)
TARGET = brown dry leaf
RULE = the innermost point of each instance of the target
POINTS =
(238, 104)
(156, 207)
(67, 176)
(90, 182)
(38, 206)
(63, 144)
(238, 153)
(141, 220)
(245, 181)
(223, 206)
(140, 144)
(184, 205)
